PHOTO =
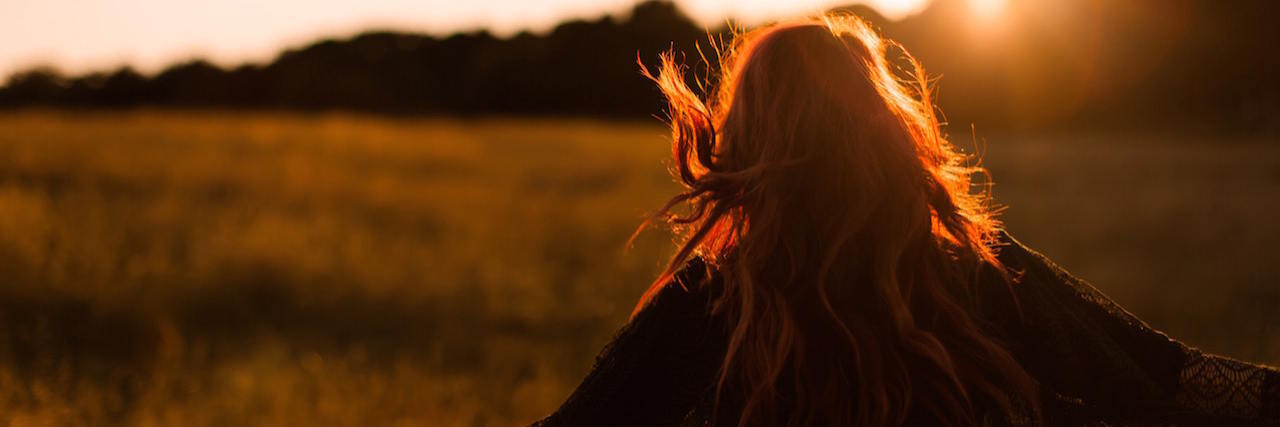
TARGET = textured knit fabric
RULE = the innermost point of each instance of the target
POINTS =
(1096, 364)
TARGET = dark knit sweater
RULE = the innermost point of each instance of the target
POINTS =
(1096, 364)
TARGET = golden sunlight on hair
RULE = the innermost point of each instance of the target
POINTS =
(752, 155)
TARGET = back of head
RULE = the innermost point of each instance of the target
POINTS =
(843, 224)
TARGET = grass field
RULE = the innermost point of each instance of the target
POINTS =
(270, 269)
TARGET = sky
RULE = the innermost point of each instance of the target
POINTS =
(76, 36)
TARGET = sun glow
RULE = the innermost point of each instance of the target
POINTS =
(987, 9)
(895, 9)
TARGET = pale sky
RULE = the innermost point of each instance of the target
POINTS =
(81, 35)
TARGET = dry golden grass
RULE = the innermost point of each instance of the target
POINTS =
(275, 269)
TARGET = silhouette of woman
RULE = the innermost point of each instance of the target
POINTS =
(837, 270)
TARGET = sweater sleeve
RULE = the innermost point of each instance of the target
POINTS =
(658, 365)
(1084, 348)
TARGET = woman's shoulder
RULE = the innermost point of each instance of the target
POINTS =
(688, 293)
(696, 275)
(1016, 256)
(1033, 272)
(1029, 271)
(1025, 282)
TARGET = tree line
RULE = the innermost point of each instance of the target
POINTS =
(1054, 63)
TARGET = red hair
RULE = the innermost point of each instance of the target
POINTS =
(822, 191)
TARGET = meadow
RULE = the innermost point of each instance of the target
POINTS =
(202, 269)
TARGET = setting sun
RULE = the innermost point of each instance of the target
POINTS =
(987, 9)
(898, 8)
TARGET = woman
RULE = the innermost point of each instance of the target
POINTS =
(837, 270)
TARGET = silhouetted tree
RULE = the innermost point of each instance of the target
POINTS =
(1051, 63)
(37, 86)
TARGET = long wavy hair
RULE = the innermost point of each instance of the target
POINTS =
(818, 185)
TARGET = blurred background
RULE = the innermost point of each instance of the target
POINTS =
(414, 213)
